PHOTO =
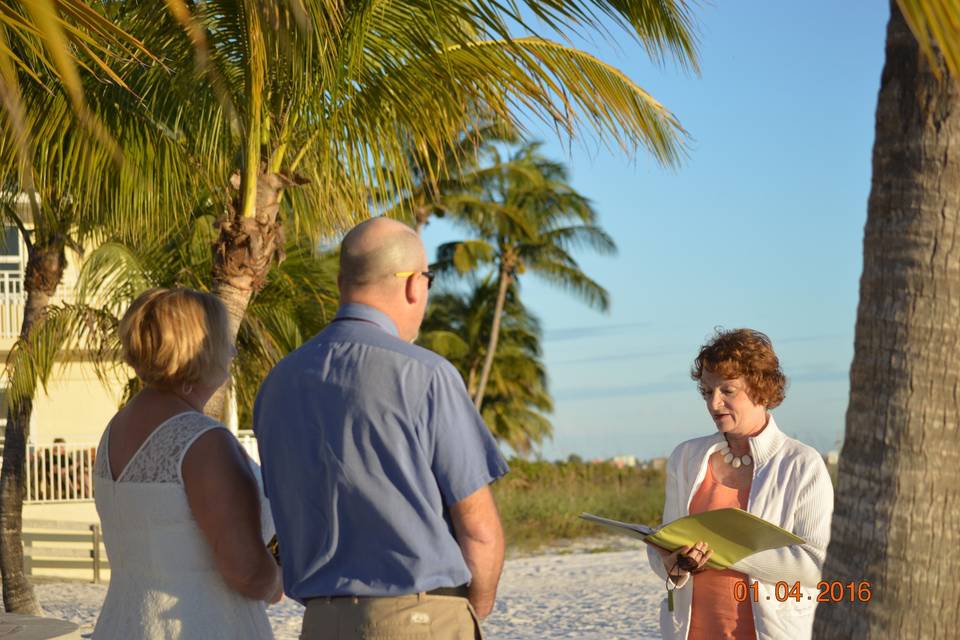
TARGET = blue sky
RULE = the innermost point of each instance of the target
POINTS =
(761, 226)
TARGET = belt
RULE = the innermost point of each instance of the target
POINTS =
(457, 592)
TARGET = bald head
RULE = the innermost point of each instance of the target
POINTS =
(371, 256)
(374, 250)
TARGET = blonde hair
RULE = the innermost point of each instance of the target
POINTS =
(176, 337)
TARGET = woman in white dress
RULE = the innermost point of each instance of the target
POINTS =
(178, 500)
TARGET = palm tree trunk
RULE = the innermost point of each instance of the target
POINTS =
(245, 251)
(18, 595)
(504, 284)
(472, 381)
(236, 300)
(898, 496)
(250, 237)
(43, 275)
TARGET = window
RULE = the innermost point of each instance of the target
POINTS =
(10, 259)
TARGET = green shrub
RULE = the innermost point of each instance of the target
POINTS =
(540, 502)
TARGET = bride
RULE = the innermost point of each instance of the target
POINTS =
(177, 497)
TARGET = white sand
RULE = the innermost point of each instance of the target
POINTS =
(570, 594)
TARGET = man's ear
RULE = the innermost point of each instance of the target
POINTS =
(411, 291)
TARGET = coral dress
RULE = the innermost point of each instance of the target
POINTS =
(716, 614)
(163, 584)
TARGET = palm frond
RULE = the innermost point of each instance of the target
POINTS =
(57, 40)
(112, 276)
(572, 279)
(447, 343)
(462, 256)
(665, 28)
(570, 88)
(64, 329)
(935, 23)
(580, 236)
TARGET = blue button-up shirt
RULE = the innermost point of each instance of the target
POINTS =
(365, 441)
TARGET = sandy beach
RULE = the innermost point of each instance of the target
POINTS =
(583, 591)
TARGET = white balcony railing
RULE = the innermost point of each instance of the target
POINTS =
(12, 303)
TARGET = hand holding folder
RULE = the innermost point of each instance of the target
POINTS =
(733, 534)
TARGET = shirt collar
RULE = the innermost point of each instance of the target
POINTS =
(366, 313)
(767, 442)
(762, 445)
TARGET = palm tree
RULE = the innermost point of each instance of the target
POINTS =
(897, 508)
(457, 326)
(331, 98)
(524, 216)
(46, 245)
(42, 198)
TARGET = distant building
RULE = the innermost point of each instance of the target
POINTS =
(657, 464)
(622, 462)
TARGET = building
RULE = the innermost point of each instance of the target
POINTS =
(657, 464)
(622, 462)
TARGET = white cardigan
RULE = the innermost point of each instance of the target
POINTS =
(791, 488)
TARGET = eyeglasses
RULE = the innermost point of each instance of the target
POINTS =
(429, 275)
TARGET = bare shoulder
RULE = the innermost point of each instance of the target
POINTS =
(215, 454)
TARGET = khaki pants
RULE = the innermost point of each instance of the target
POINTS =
(414, 617)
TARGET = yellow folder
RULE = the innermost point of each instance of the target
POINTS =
(733, 534)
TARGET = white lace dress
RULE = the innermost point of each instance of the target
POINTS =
(163, 582)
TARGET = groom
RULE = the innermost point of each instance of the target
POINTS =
(377, 464)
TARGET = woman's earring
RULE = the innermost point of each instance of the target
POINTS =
(187, 389)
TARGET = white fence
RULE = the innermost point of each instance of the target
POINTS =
(60, 472)
(63, 548)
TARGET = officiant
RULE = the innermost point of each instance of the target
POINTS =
(747, 463)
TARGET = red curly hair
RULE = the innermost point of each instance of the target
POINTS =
(748, 354)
